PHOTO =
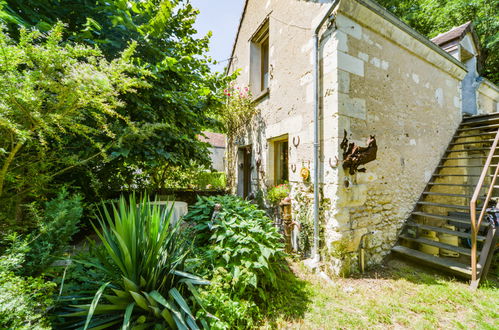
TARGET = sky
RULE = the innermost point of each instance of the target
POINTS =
(221, 17)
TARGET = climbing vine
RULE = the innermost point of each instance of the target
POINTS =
(236, 116)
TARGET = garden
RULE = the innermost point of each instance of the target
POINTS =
(101, 107)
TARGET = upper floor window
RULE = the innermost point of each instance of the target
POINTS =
(259, 60)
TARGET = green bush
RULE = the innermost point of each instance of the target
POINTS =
(24, 301)
(56, 226)
(277, 193)
(240, 251)
(143, 257)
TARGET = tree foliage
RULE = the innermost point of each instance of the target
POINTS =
(51, 93)
(183, 93)
(432, 17)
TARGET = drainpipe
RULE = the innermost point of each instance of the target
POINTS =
(327, 17)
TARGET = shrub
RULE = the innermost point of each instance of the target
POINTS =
(56, 227)
(241, 252)
(143, 255)
(24, 301)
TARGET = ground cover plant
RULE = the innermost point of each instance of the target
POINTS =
(24, 301)
(239, 250)
(142, 257)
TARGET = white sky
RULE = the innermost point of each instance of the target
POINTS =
(221, 17)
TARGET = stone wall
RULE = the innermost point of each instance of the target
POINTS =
(397, 88)
(488, 97)
(377, 78)
(287, 109)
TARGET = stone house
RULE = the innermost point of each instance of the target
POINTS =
(216, 149)
(326, 74)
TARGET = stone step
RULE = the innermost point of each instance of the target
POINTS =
(422, 240)
(452, 266)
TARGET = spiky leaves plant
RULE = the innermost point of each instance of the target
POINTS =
(143, 255)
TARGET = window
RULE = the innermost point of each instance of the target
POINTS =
(281, 174)
(264, 75)
(259, 61)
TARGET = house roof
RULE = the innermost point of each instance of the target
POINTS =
(216, 140)
(449, 41)
(454, 33)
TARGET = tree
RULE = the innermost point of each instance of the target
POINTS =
(50, 93)
(183, 95)
(431, 17)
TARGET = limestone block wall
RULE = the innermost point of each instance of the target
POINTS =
(487, 97)
(375, 79)
(287, 108)
(393, 86)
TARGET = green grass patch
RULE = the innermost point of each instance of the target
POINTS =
(396, 295)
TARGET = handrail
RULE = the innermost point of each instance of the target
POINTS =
(475, 224)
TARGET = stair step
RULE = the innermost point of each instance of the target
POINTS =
(463, 166)
(476, 157)
(468, 150)
(455, 267)
(467, 118)
(462, 220)
(474, 135)
(458, 185)
(481, 128)
(479, 121)
(471, 142)
(470, 175)
(445, 194)
(443, 230)
(447, 206)
(458, 249)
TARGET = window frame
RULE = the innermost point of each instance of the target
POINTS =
(278, 145)
(260, 60)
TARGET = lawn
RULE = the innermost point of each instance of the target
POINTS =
(396, 295)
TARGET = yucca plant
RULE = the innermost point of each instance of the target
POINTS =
(143, 255)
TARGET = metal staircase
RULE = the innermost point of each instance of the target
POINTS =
(450, 228)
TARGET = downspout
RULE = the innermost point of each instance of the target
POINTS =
(327, 17)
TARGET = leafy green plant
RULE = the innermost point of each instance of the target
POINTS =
(52, 91)
(56, 226)
(240, 250)
(24, 301)
(143, 257)
(277, 193)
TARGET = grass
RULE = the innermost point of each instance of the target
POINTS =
(396, 295)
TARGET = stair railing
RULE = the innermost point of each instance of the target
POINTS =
(475, 223)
